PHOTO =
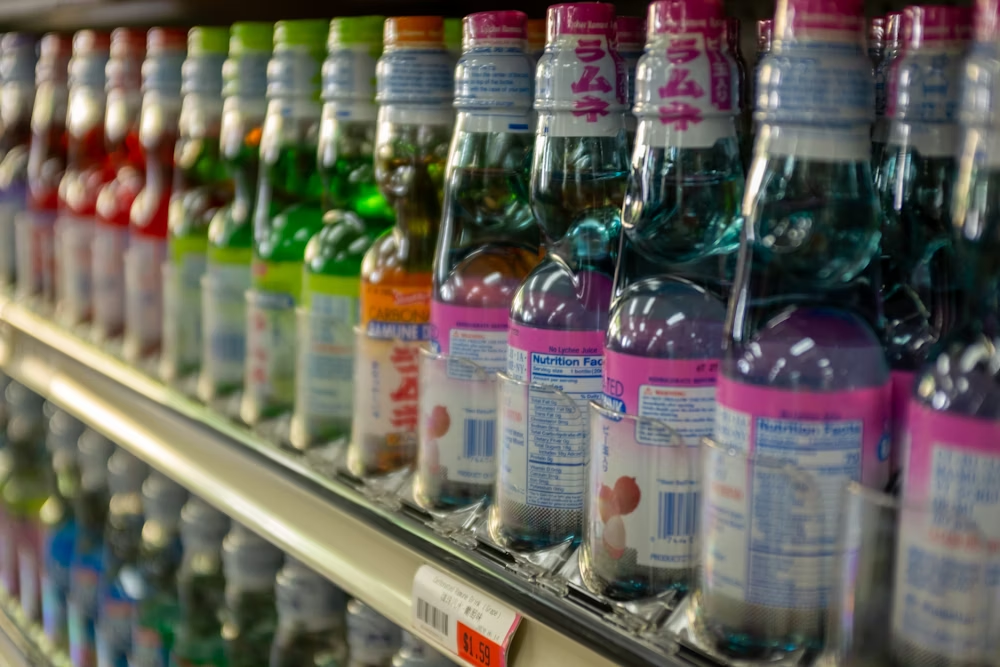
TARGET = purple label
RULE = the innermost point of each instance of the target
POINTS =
(902, 388)
(476, 334)
(571, 361)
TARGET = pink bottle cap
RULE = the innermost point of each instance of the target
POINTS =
(798, 19)
(674, 17)
(987, 20)
(490, 27)
(930, 24)
(631, 31)
(584, 18)
(127, 42)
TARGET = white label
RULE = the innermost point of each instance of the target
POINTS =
(144, 292)
(325, 387)
(182, 310)
(74, 237)
(35, 247)
(107, 254)
(224, 322)
(486, 348)
(271, 337)
(460, 619)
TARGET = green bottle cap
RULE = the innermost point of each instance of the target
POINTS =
(250, 36)
(453, 34)
(310, 34)
(354, 30)
(203, 40)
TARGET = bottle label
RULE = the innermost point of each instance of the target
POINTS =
(224, 317)
(397, 313)
(495, 77)
(58, 549)
(952, 483)
(147, 647)
(476, 334)
(107, 253)
(349, 84)
(74, 239)
(182, 309)
(83, 614)
(29, 569)
(543, 448)
(144, 292)
(114, 632)
(35, 247)
(326, 351)
(902, 390)
(12, 201)
(834, 437)
(923, 87)
(270, 361)
(416, 76)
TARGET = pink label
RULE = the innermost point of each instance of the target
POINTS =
(680, 17)
(476, 334)
(584, 18)
(842, 433)
(902, 389)
(485, 27)
(936, 24)
(825, 15)
(679, 392)
(571, 361)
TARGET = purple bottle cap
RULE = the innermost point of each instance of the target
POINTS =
(675, 17)
(494, 29)
(631, 33)
(819, 20)
(583, 18)
(935, 24)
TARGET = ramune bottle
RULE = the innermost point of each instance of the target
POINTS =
(90, 506)
(310, 619)
(114, 202)
(488, 244)
(631, 35)
(765, 37)
(88, 168)
(741, 82)
(944, 611)
(120, 574)
(876, 44)
(372, 639)
(230, 233)
(681, 225)
(453, 38)
(893, 34)
(199, 188)
(17, 76)
(59, 524)
(536, 38)
(286, 216)
(35, 228)
(915, 179)
(147, 248)
(560, 312)
(414, 652)
(201, 587)
(414, 125)
(250, 617)
(356, 213)
(156, 604)
(803, 376)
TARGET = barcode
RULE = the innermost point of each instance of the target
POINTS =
(432, 616)
(678, 513)
(479, 437)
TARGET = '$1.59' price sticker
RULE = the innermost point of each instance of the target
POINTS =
(461, 620)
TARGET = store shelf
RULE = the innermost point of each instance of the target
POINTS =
(367, 548)
(22, 643)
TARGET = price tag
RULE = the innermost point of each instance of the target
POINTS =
(461, 620)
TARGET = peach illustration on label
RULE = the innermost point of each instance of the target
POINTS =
(606, 503)
(614, 537)
(438, 422)
(627, 494)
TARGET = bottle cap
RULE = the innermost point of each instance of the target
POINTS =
(819, 20)
(677, 17)
(500, 28)
(581, 18)
(499, 76)
(310, 34)
(631, 33)
(765, 33)
(204, 40)
(925, 25)
(453, 35)
(250, 36)
(165, 40)
(349, 71)
(356, 31)
(126, 472)
(536, 35)
(413, 32)
(876, 33)
(294, 68)
(987, 21)
(202, 69)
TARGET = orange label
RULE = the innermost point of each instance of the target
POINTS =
(477, 649)
(396, 312)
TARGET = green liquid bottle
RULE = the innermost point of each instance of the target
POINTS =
(199, 188)
(230, 234)
(289, 211)
(355, 214)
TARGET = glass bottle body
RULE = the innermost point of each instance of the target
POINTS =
(249, 627)
(58, 538)
(91, 507)
(16, 101)
(157, 608)
(201, 596)
(118, 592)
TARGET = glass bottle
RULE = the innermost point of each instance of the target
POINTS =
(487, 245)
(287, 214)
(199, 189)
(415, 118)
(560, 312)
(681, 225)
(35, 238)
(953, 421)
(765, 38)
(744, 122)
(536, 38)
(372, 639)
(201, 587)
(23, 492)
(156, 604)
(114, 201)
(883, 73)
(914, 184)
(250, 617)
(147, 247)
(230, 233)
(355, 213)
(630, 32)
(803, 375)
(453, 38)
(88, 168)
(413, 652)
(876, 43)
(310, 619)
(59, 524)
(90, 506)
(119, 585)
(17, 75)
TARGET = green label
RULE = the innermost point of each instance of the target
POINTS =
(187, 245)
(242, 256)
(283, 277)
(318, 284)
